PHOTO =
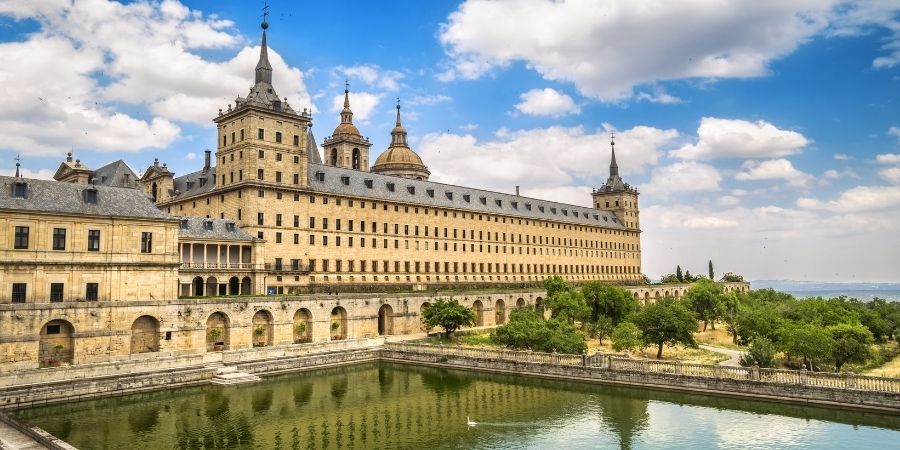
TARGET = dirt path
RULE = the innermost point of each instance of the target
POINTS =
(734, 355)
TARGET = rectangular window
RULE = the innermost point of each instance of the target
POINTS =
(277, 220)
(296, 221)
(242, 136)
(91, 292)
(278, 177)
(56, 292)
(21, 238)
(261, 134)
(93, 243)
(146, 242)
(278, 237)
(260, 218)
(296, 140)
(260, 174)
(296, 178)
(278, 137)
(312, 239)
(18, 292)
(59, 239)
(312, 223)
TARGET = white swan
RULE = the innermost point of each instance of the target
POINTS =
(470, 422)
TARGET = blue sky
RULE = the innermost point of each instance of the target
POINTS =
(763, 136)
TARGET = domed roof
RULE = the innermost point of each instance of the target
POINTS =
(346, 128)
(399, 155)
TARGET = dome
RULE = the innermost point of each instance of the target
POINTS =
(399, 155)
(346, 128)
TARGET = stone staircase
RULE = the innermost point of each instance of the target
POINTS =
(229, 375)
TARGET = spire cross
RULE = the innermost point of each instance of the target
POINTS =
(265, 9)
(612, 138)
(346, 85)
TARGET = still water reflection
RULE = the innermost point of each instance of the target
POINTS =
(398, 406)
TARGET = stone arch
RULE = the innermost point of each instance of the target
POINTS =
(334, 157)
(421, 315)
(234, 286)
(637, 296)
(262, 328)
(302, 325)
(520, 303)
(666, 294)
(338, 323)
(355, 159)
(57, 344)
(212, 286)
(500, 312)
(539, 305)
(478, 308)
(198, 287)
(656, 295)
(646, 297)
(145, 335)
(385, 320)
(246, 286)
(217, 340)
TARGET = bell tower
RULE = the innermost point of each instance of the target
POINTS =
(346, 147)
(618, 197)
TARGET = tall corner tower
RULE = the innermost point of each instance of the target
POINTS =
(262, 139)
(618, 197)
(346, 147)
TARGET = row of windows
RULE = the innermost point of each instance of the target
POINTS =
(20, 292)
(375, 266)
(260, 134)
(23, 237)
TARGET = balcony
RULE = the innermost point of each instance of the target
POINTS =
(221, 266)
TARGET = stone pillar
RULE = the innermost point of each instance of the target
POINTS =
(851, 380)
(754, 373)
(802, 376)
(677, 367)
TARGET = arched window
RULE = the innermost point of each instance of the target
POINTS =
(355, 163)
(334, 158)
(153, 191)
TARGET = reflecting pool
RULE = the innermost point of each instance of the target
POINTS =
(383, 405)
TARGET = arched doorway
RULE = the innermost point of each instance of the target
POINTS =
(520, 303)
(422, 315)
(217, 331)
(302, 326)
(338, 324)
(245, 286)
(646, 297)
(145, 335)
(478, 308)
(57, 344)
(262, 328)
(198, 287)
(500, 312)
(234, 286)
(385, 320)
(212, 286)
(539, 306)
(355, 159)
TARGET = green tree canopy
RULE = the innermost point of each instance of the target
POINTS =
(568, 305)
(626, 337)
(555, 285)
(851, 344)
(527, 329)
(601, 329)
(667, 321)
(707, 300)
(447, 314)
(757, 319)
(761, 353)
(608, 301)
(807, 340)
(678, 274)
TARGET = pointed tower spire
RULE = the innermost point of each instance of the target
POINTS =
(263, 68)
(18, 161)
(398, 134)
(613, 167)
(346, 113)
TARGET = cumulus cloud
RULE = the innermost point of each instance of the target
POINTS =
(735, 138)
(547, 102)
(681, 177)
(891, 175)
(857, 199)
(581, 41)
(888, 158)
(361, 103)
(658, 95)
(841, 157)
(147, 55)
(894, 131)
(773, 169)
(190, 156)
(547, 161)
(373, 76)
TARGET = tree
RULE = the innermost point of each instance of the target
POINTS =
(851, 344)
(730, 302)
(761, 353)
(732, 278)
(667, 321)
(527, 329)
(678, 274)
(601, 328)
(810, 341)
(447, 314)
(626, 337)
(712, 274)
(688, 278)
(609, 301)
(707, 300)
(569, 306)
(757, 319)
(555, 285)
(670, 278)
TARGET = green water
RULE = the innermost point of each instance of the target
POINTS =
(383, 405)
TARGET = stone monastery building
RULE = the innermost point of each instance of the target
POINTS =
(103, 262)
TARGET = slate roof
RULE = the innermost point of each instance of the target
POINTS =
(195, 228)
(68, 198)
(194, 180)
(314, 156)
(113, 175)
(430, 193)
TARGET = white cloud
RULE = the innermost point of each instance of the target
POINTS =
(427, 100)
(832, 174)
(888, 158)
(773, 169)
(373, 76)
(42, 174)
(857, 199)
(547, 102)
(468, 127)
(681, 177)
(361, 103)
(146, 54)
(542, 160)
(729, 200)
(841, 157)
(894, 131)
(735, 138)
(190, 156)
(891, 175)
(658, 96)
(583, 41)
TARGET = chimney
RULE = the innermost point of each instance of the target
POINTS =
(517, 191)
(206, 161)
